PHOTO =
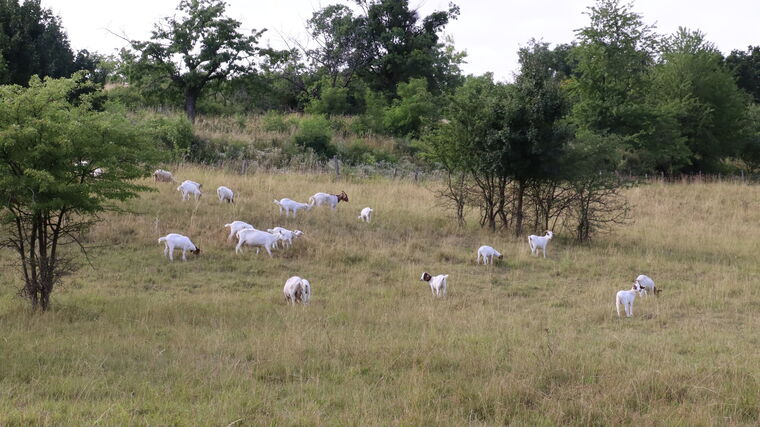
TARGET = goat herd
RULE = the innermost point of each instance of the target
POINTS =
(298, 289)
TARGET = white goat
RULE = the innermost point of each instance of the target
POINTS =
(225, 194)
(258, 238)
(487, 252)
(236, 226)
(286, 235)
(626, 298)
(291, 205)
(366, 215)
(297, 289)
(331, 200)
(161, 175)
(177, 241)
(437, 283)
(539, 242)
(647, 285)
(189, 187)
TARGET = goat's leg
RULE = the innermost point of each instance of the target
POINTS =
(184, 254)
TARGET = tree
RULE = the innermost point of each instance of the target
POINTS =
(32, 41)
(62, 162)
(196, 48)
(746, 67)
(707, 106)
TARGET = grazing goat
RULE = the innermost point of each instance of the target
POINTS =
(291, 205)
(626, 299)
(539, 242)
(437, 283)
(161, 175)
(177, 241)
(647, 285)
(225, 194)
(286, 235)
(189, 187)
(331, 200)
(297, 289)
(487, 252)
(366, 215)
(256, 238)
(236, 226)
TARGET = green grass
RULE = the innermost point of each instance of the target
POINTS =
(140, 340)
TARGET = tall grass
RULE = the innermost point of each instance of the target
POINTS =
(135, 339)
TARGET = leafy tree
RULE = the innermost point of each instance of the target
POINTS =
(199, 46)
(614, 55)
(707, 105)
(62, 163)
(32, 41)
(413, 106)
(746, 67)
(750, 153)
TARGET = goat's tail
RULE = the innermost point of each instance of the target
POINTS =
(311, 201)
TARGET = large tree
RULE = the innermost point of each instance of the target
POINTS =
(62, 162)
(196, 47)
(32, 41)
(746, 67)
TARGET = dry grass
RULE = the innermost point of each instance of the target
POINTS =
(139, 340)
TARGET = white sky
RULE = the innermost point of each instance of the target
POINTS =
(491, 31)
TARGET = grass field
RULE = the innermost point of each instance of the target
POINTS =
(135, 339)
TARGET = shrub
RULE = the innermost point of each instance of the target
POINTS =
(315, 134)
(274, 121)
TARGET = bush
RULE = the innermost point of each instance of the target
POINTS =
(274, 121)
(315, 134)
(415, 104)
(174, 133)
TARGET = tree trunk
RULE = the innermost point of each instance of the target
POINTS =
(191, 99)
(519, 209)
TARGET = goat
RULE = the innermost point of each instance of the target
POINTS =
(189, 187)
(177, 241)
(286, 235)
(626, 298)
(539, 242)
(437, 283)
(225, 194)
(366, 215)
(331, 200)
(252, 237)
(297, 289)
(647, 284)
(488, 252)
(291, 205)
(236, 226)
(161, 175)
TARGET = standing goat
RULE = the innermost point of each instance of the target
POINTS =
(297, 289)
(189, 187)
(225, 194)
(647, 285)
(626, 298)
(256, 238)
(437, 283)
(291, 205)
(487, 253)
(286, 235)
(366, 215)
(177, 241)
(331, 200)
(236, 226)
(161, 175)
(539, 242)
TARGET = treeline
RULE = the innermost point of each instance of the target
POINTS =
(552, 145)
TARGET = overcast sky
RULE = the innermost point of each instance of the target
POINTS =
(490, 31)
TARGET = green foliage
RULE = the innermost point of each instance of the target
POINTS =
(358, 153)
(198, 46)
(746, 67)
(32, 41)
(331, 100)
(314, 133)
(374, 114)
(750, 153)
(414, 106)
(62, 162)
(174, 133)
(274, 121)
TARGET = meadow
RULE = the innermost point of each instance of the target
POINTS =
(132, 338)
